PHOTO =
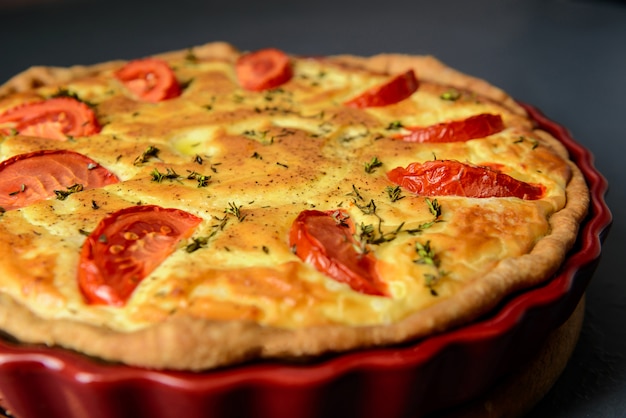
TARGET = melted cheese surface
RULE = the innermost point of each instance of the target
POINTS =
(274, 154)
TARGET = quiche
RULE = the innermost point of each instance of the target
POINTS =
(206, 207)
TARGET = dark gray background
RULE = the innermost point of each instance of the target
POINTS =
(567, 57)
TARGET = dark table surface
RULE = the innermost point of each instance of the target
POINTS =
(567, 57)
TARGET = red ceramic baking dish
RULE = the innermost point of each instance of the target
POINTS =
(412, 380)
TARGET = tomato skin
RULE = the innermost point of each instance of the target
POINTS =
(328, 245)
(263, 69)
(149, 79)
(393, 91)
(453, 178)
(125, 247)
(478, 126)
(34, 176)
(55, 118)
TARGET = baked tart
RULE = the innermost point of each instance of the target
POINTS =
(207, 207)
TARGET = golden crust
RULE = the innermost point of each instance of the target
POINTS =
(191, 340)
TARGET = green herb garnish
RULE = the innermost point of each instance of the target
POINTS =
(235, 210)
(63, 194)
(394, 193)
(372, 165)
(427, 256)
(169, 175)
(20, 190)
(394, 126)
(451, 95)
(203, 180)
(150, 152)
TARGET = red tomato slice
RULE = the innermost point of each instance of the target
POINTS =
(263, 69)
(28, 178)
(125, 247)
(149, 79)
(393, 91)
(452, 178)
(55, 118)
(321, 240)
(478, 126)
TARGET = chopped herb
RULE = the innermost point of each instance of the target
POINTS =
(260, 136)
(429, 281)
(340, 218)
(61, 92)
(394, 193)
(534, 142)
(367, 209)
(451, 95)
(2, 210)
(369, 235)
(84, 232)
(198, 159)
(257, 156)
(185, 84)
(20, 190)
(427, 256)
(203, 180)
(355, 193)
(282, 165)
(202, 242)
(265, 249)
(103, 239)
(394, 126)
(150, 152)
(220, 226)
(197, 243)
(63, 194)
(95, 205)
(159, 177)
(376, 236)
(190, 56)
(235, 210)
(372, 165)
(434, 207)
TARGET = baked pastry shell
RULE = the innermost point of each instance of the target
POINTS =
(414, 379)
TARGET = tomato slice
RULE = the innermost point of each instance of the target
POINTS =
(125, 247)
(393, 91)
(263, 69)
(325, 240)
(453, 178)
(478, 126)
(149, 79)
(57, 118)
(28, 178)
